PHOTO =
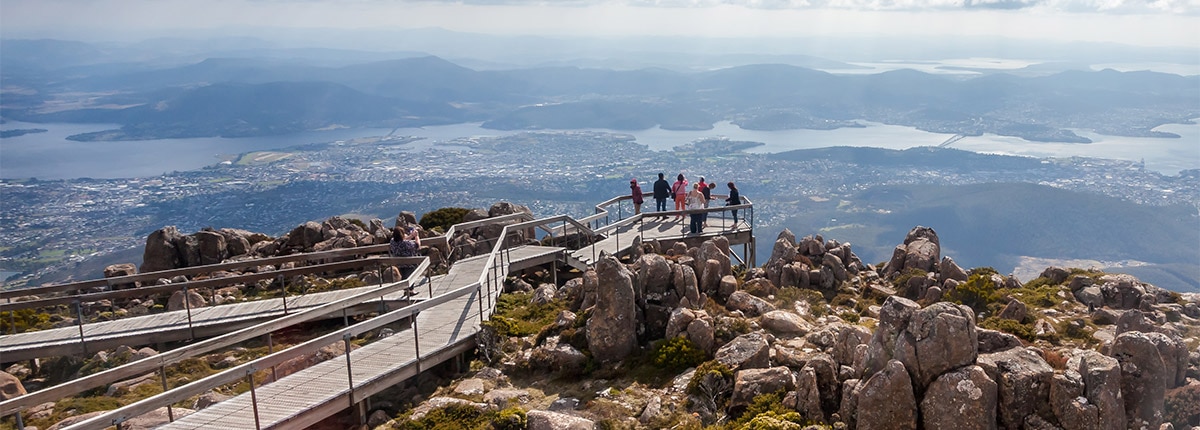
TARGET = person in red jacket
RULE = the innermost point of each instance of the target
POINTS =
(636, 190)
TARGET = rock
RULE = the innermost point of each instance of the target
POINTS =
(1143, 378)
(684, 279)
(1090, 296)
(154, 419)
(849, 404)
(122, 387)
(1056, 275)
(10, 387)
(195, 300)
(212, 247)
(1069, 404)
(710, 278)
(678, 323)
(656, 272)
(652, 412)
(1134, 320)
(612, 328)
(807, 398)
(558, 357)
(701, 332)
(939, 338)
(505, 397)
(922, 249)
(962, 399)
(995, 341)
(835, 264)
(1023, 382)
(378, 418)
(886, 400)
(1101, 377)
(305, 236)
(122, 269)
(1015, 310)
(543, 294)
(208, 399)
(748, 351)
(745, 302)
(546, 420)
(470, 387)
(760, 287)
(894, 315)
(784, 323)
(564, 404)
(828, 385)
(1174, 356)
(160, 252)
(727, 287)
(749, 383)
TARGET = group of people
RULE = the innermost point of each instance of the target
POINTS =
(685, 200)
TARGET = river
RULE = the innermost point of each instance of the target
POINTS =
(50, 156)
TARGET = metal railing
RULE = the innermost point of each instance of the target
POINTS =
(491, 278)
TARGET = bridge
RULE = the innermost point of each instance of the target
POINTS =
(436, 318)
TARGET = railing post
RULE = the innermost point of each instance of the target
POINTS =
(187, 304)
(479, 297)
(162, 373)
(283, 293)
(416, 341)
(253, 397)
(20, 422)
(12, 319)
(79, 319)
(271, 350)
(349, 372)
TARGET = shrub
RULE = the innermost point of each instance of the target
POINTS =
(24, 319)
(1023, 331)
(707, 376)
(513, 418)
(676, 354)
(524, 318)
(978, 292)
(443, 218)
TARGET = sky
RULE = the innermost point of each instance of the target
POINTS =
(1133, 22)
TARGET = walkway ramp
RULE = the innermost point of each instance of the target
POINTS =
(163, 327)
(306, 397)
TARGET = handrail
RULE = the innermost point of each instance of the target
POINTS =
(206, 283)
(187, 271)
(238, 372)
(149, 364)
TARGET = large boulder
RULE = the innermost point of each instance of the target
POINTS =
(1023, 381)
(747, 303)
(656, 272)
(194, 300)
(886, 400)
(10, 386)
(963, 399)
(1069, 404)
(160, 252)
(784, 323)
(1101, 377)
(749, 383)
(937, 339)
(612, 328)
(748, 351)
(212, 247)
(305, 236)
(1143, 379)
(893, 320)
(684, 279)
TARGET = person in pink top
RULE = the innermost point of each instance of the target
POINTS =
(680, 190)
(636, 190)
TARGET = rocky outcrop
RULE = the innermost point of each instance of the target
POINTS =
(962, 399)
(1022, 378)
(748, 351)
(921, 251)
(612, 328)
(937, 339)
(886, 400)
(1143, 379)
(750, 383)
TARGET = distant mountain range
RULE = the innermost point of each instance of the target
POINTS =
(274, 95)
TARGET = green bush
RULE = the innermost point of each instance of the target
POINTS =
(709, 370)
(524, 318)
(676, 354)
(1023, 331)
(443, 218)
(24, 319)
(978, 292)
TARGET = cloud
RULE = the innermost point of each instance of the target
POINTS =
(1181, 7)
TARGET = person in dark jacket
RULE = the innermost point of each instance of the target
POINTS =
(735, 198)
(662, 189)
(636, 190)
